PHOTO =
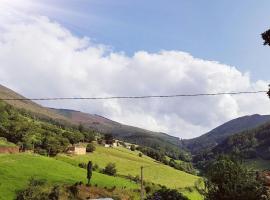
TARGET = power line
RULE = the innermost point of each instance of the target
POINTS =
(132, 97)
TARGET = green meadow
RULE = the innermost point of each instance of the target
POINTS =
(129, 163)
(17, 169)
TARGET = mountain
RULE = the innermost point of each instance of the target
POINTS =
(96, 122)
(250, 144)
(128, 133)
(219, 134)
(30, 106)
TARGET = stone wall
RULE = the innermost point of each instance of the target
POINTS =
(9, 150)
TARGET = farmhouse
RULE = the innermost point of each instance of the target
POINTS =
(77, 150)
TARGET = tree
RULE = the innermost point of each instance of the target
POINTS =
(108, 138)
(266, 37)
(110, 169)
(89, 171)
(228, 179)
(166, 194)
(90, 147)
(80, 128)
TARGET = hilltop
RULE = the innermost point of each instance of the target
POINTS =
(219, 134)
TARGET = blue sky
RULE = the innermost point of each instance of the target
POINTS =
(225, 31)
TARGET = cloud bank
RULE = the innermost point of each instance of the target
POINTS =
(41, 58)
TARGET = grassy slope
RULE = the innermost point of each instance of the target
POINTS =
(4, 143)
(16, 169)
(128, 162)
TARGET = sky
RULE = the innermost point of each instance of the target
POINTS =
(84, 48)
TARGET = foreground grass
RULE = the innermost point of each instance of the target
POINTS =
(129, 163)
(16, 169)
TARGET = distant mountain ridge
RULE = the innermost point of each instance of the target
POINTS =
(122, 131)
(99, 123)
(220, 133)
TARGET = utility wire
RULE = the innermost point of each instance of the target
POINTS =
(133, 97)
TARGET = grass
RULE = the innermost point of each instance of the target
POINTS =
(16, 169)
(5, 143)
(128, 162)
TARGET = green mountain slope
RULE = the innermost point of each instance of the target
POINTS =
(253, 143)
(124, 132)
(219, 134)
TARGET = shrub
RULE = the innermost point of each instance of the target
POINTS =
(147, 189)
(140, 154)
(110, 169)
(132, 147)
(82, 165)
(166, 194)
(90, 147)
(95, 167)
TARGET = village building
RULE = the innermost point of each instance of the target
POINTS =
(76, 150)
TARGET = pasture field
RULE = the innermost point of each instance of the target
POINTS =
(17, 169)
(129, 163)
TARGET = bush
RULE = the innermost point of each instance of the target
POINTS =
(147, 189)
(166, 194)
(90, 147)
(140, 154)
(132, 147)
(95, 167)
(228, 178)
(110, 169)
(82, 165)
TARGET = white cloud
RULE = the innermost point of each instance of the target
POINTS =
(40, 58)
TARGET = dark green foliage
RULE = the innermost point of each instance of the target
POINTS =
(38, 190)
(147, 189)
(132, 147)
(140, 154)
(110, 169)
(89, 136)
(155, 154)
(82, 165)
(108, 138)
(166, 194)
(161, 157)
(90, 147)
(266, 37)
(209, 140)
(228, 179)
(89, 171)
(73, 136)
(45, 138)
(95, 167)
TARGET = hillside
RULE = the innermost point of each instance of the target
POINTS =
(96, 122)
(122, 131)
(17, 169)
(219, 134)
(128, 163)
(30, 106)
(250, 144)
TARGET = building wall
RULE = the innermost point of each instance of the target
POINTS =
(80, 150)
(9, 150)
